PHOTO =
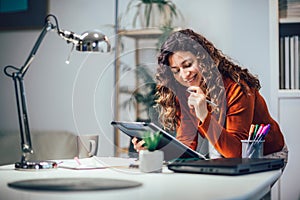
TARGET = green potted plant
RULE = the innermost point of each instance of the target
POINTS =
(152, 13)
(144, 95)
(151, 160)
(152, 140)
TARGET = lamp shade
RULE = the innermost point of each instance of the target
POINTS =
(93, 41)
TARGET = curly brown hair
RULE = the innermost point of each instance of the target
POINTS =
(213, 64)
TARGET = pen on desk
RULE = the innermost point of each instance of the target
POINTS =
(60, 162)
(208, 101)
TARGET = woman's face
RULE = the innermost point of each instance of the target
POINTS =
(185, 68)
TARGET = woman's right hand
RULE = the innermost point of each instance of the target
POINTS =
(197, 101)
(138, 145)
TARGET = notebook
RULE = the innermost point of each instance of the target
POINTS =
(226, 166)
(172, 148)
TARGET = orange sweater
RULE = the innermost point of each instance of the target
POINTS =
(239, 111)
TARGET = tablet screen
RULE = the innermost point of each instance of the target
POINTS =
(171, 147)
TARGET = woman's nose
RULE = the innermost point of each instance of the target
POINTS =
(184, 73)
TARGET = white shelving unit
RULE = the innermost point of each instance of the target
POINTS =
(289, 20)
(282, 94)
(276, 24)
(285, 105)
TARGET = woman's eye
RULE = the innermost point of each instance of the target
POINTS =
(175, 72)
(187, 65)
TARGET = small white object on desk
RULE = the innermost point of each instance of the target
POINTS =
(151, 161)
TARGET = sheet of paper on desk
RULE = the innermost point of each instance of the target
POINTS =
(83, 163)
(96, 163)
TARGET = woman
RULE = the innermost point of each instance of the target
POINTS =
(224, 101)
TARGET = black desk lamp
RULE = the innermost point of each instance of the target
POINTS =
(93, 41)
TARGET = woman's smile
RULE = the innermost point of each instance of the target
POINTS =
(184, 66)
(190, 80)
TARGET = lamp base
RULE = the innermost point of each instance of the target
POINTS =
(35, 165)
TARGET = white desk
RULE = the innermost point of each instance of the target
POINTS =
(166, 185)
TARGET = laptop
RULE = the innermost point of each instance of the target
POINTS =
(172, 148)
(226, 166)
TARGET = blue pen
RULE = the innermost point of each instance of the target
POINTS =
(264, 132)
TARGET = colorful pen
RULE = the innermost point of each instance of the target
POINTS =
(259, 131)
(255, 131)
(265, 131)
(251, 131)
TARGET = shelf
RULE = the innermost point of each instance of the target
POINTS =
(289, 20)
(141, 33)
(150, 33)
(288, 94)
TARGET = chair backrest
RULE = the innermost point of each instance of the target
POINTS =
(47, 145)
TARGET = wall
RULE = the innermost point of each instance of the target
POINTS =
(289, 107)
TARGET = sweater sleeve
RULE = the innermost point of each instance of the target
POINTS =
(238, 114)
(186, 129)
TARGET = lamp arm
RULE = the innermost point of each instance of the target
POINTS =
(20, 94)
(48, 27)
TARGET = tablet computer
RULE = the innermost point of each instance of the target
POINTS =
(172, 148)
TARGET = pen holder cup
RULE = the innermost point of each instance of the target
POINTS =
(252, 148)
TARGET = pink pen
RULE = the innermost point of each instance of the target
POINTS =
(265, 130)
(259, 131)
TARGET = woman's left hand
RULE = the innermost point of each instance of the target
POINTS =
(197, 101)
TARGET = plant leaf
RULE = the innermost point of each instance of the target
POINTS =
(152, 140)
